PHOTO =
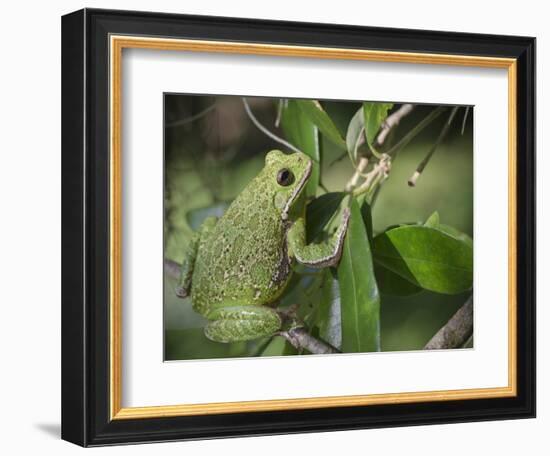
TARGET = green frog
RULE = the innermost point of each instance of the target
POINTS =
(235, 268)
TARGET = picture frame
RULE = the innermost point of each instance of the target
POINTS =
(92, 367)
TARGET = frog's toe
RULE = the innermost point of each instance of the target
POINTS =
(182, 292)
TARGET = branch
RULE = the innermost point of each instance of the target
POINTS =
(456, 331)
(172, 269)
(300, 338)
(392, 121)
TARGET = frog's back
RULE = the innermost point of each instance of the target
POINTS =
(243, 260)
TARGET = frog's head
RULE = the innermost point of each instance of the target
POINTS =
(288, 174)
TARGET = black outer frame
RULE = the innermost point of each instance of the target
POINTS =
(85, 227)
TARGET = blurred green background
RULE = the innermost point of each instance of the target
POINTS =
(212, 151)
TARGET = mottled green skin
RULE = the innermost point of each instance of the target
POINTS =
(238, 266)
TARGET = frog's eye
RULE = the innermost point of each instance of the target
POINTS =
(285, 177)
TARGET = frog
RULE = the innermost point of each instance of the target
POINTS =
(236, 267)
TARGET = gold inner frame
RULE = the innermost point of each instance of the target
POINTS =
(117, 44)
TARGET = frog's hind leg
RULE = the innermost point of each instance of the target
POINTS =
(190, 255)
(240, 323)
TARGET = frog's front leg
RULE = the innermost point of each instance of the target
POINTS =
(317, 255)
(186, 273)
(241, 323)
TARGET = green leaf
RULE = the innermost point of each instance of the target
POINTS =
(191, 343)
(433, 220)
(367, 119)
(302, 133)
(354, 135)
(453, 232)
(320, 211)
(366, 213)
(390, 283)
(427, 257)
(195, 217)
(329, 319)
(374, 114)
(308, 293)
(316, 114)
(278, 347)
(360, 300)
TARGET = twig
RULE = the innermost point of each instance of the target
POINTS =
(456, 331)
(378, 174)
(416, 130)
(264, 130)
(427, 158)
(300, 338)
(392, 121)
(280, 105)
(172, 269)
(358, 142)
(389, 123)
(354, 180)
(464, 120)
(187, 120)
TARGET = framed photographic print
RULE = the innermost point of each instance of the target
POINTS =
(276, 227)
